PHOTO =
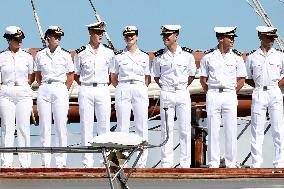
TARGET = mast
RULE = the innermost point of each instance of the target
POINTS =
(258, 8)
(38, 24)
(99, 19)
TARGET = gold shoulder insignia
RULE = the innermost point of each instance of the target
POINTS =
(237, 52)
(117, 52)
(209, 51)
(250, 52)
(159, 52)
(27, 51)
(65, 50)
(144, 52)
(279, 50)
(80, 49)
(187, 49)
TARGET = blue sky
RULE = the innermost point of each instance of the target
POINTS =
(197, 19)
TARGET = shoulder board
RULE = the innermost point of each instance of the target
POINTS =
(159, 52)
(80, 49)
(27, 51)
(109, 47)
(237, 52)
(65, 50)
(209, 51)
(250, 52)
(279, 50)
(117, 52)
(187, 49)
(144, 51)
(40, 49)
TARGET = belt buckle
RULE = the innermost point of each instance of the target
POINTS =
(95, 84)
(132, 82)
(265, 88)
(49, 82)
(221, 90)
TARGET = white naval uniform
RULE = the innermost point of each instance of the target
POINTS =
(222, 73)
(15, 102)
(131, 92)
(94, 94)
(53, 99)
(173, 71)
(266, 71)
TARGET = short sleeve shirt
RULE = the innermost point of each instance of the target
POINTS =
(222, 71)
(53, 66)
(265, 69)
(93, 67)
(131, 66)
(16, 67)
(174, 69)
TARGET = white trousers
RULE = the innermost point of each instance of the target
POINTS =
(93, 100)
(261, 101)
(136, 96)
(218, 106)
(178, 103)
(52, 100)
(15, 103)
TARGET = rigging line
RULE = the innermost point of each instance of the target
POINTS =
(99, 19)
(263, 15)
(38, 25)
(244, 129)
(161, 160)
(249, 154)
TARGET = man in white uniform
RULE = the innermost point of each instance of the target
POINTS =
(265, 68)
(130, 74)
(223, 74)
(16, 68)
(54, 72)
(174, 69)
(92, 73)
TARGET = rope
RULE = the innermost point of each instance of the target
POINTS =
(38, 24)
(249, 154)
(99, 19)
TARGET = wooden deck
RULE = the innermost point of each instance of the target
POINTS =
(147, 173)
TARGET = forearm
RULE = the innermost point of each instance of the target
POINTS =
(203, 82)
(157, 79)
(147, 80)
(70, 79)
(114, 79)
(240, 84)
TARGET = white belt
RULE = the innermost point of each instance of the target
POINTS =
(173, 88)
(52, 81)
(221, 90)
(94, 84)
(132, 81)
(265, 88)
(15, 84)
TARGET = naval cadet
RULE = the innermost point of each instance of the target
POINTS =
(54, 73)
(130, 74)
(92, 74)
(265, 68)
(174, 70)
(16, 68)
(223, 74)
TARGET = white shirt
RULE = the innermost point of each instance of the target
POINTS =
(53, 66)
(131, 66)
(174, 69)
(222, 72)
(93, 67)
(15, 68)
(265, 69)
